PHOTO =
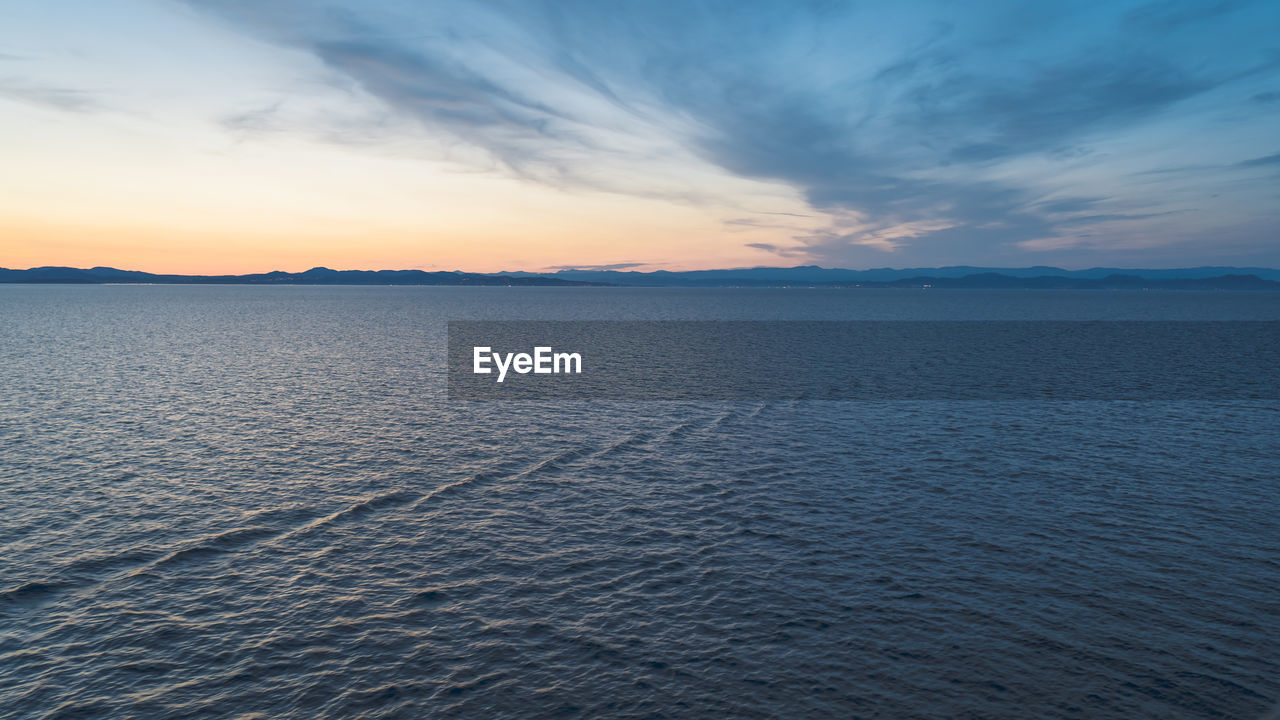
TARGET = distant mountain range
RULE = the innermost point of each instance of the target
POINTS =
(1052, 282)
(960, 276)
(314, 276)
(814, 275)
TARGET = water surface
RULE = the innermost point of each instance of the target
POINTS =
(237, 502)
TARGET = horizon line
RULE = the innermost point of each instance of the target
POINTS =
(598, 269)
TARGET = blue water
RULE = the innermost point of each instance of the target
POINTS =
(256, 502)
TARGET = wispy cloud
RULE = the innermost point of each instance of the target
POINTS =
(1273, 159)
(910, 129)
(480, 77)
(57, 98)
(609, 266)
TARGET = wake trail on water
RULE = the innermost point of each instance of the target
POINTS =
(263, 528)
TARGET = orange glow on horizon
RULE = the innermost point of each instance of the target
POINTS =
(120, 192)
(193, 251)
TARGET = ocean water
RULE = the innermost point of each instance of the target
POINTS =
(258, 502)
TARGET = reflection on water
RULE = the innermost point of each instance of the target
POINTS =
(221, 501)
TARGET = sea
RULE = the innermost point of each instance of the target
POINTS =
(251, 502)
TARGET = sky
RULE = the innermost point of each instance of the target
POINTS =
(211, 136)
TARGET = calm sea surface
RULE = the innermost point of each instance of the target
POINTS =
(257, 502)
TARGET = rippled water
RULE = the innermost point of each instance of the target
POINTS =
(244, 502)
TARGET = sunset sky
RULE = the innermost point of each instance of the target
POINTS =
(216, 136)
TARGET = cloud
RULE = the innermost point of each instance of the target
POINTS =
(1054, 106)
(475, 76)
(610, 266)
(875, 149)
(756, 223)
(911, 129)
(780, 250)
(1166, 16)
(57, 98)
(950, 118)
(262, 119)
(1266, 160)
